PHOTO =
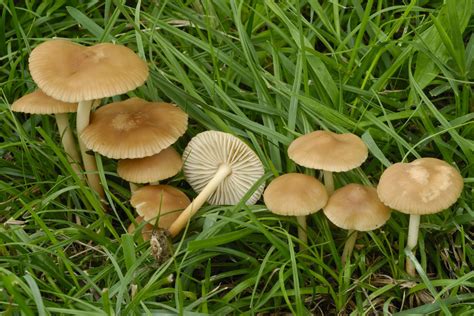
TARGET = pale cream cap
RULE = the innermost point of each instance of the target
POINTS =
(295, 194)
(39, 103)
(356, 207)
(423, 186)
(328, 151)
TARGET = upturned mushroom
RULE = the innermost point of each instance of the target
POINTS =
(39, 103)
(295, 194)
(423, 186)
(329, 152)
(71, 72)
(222, 169)
(166, 164)
(355, 207)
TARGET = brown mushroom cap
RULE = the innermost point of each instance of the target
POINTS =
(39, 103)
(207, 151)
(356, 207)
(166, 164)
(423, 186)
(71, 72)
(162, 202)
(328, 151)
(295, 194)
(147, 229)
(134, 128)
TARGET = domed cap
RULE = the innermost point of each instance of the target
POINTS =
(39, 103)
(162, 202)
(71, 72)
(328, 151)
(295, 194)
(166, 164)
(147, 229)
(356, 207)
(134, 128)
(424, 186)
(207, 151)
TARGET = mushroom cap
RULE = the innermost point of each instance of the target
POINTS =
(147, 229)
(134, 128)
(39, 103)
(72, 73)
(166, 164)
(356, 207)
(328, 151)
(295, 194)
(162, 202)
(207, 151)
(423, 186)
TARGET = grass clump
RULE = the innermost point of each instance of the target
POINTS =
(399, 74)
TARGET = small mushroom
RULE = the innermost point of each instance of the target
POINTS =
(134, 128)
(166, 164)
(424, 186)
(222, 169)
(295, 194)
(71, 72)
(147, 229)
(355, 207)
(329, 152)
(39, 103)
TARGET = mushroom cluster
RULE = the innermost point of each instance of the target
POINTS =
(424, 186)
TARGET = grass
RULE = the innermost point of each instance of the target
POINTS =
(397, 73)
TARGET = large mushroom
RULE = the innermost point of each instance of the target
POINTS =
(329, 152)
(222, 169)
(39, 103)
(424, 186)
(355, 207)
(74, 73)
(295, 194)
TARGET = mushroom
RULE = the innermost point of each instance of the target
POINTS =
(134, 128)
(295, 194)
(222, 169)
(424, 186)
(329, 152)
(74, 73)
(39, 103)
(166, 164)
(147, 229)
(355, 207)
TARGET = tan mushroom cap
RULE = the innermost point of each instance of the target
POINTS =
(295, 194)
(207, 151)
(328, 151)
(162, 202)
(356, 207)
(147, 229)
(134, 128)
(71, 72)
(166, 164)
(423, 186)
(39, 103)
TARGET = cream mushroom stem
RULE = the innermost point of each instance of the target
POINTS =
(413, 229)
(349, 246)
(133, 187)
(302, 228)
(328, 181)
(90, 166)
(222, 172)
(68, 142)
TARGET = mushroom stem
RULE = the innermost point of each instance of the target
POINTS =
(349, 246)
(328, 181)
(222, 172)
(413, 229)
(90, 166)
(68, 142)
(302, 228)
(133, 187)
